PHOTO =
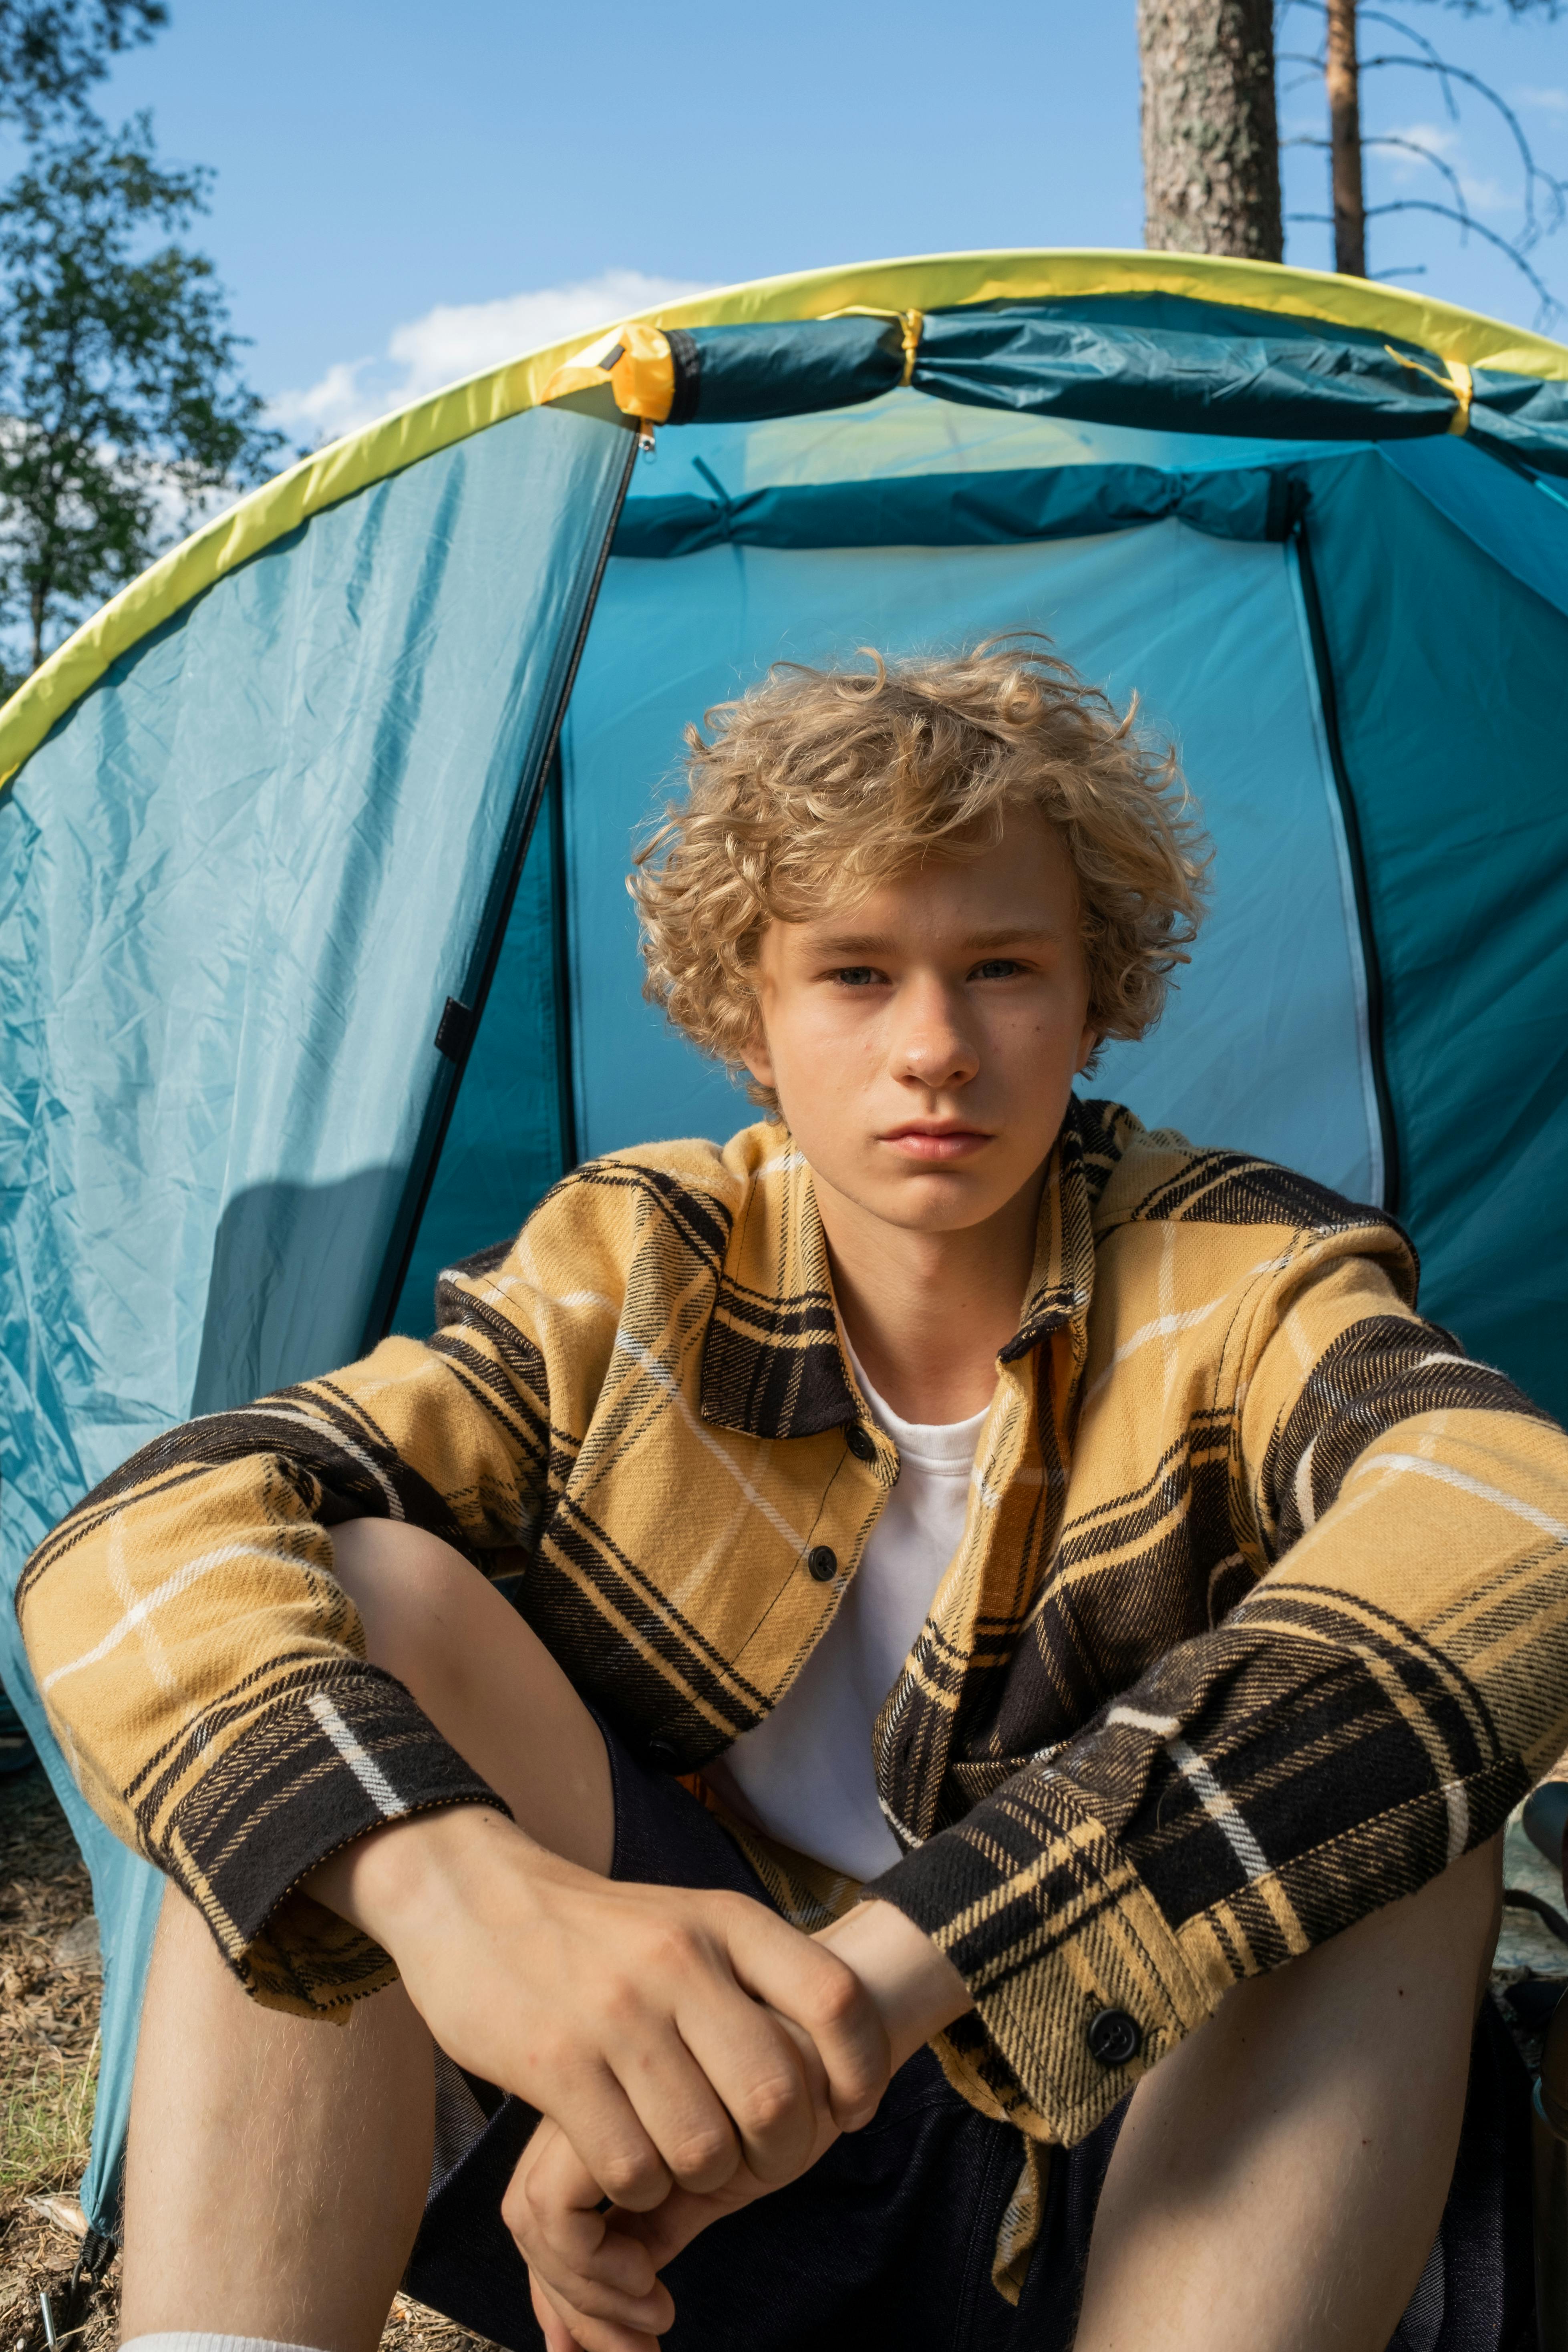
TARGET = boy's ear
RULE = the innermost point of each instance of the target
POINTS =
(757, 1058)
(1087, 1046)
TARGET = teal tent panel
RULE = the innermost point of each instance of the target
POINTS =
(1265, 1045)
(907, 434)
(1519, 522)
(1452, 682)
(509, 1139)
(237, 885)
(953, 510)
(1143, 360)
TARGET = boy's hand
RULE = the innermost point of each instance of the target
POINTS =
(593, 2272)
(652, 2024)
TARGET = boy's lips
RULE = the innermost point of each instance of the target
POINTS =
(930, 1139)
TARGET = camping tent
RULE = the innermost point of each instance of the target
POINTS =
(316, 964)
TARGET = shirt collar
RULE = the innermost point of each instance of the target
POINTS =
(771, 1361)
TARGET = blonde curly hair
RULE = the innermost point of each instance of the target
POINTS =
(819, 785)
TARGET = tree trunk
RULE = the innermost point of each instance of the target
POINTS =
(1344, 77)
(1211, 136)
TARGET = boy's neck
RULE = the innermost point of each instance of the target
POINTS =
(928, 1313)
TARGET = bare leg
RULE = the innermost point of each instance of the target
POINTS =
(1280, 2177)
(1276, 2189)
(278, 2166)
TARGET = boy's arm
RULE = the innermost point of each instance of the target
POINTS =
(203, 1671)
(1370, 1712)
(643, 2022)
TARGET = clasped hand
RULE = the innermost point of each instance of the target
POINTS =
(688, 2050)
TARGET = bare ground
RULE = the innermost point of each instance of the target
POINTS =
(49, 1987)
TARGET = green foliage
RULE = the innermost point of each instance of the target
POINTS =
(51, 51)
(121, 411)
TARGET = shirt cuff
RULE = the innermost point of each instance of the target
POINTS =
(307, 1777)
(1080, 1983)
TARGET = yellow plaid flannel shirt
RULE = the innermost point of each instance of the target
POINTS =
(1258, 1618)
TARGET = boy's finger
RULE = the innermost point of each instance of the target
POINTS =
(551, 2208)
(604, 2129)
(775, 2091)
(671, 2228)
(805, 1981)
(565, 2328)
(682, 2105)
(558, 2336)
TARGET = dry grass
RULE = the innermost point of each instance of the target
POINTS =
(49, 1988)
(48, 2056)
(45, 2120)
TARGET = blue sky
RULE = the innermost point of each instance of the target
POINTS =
(406, 192)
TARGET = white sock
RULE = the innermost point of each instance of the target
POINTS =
(197, 2340)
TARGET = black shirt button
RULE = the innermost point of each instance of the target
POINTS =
(660, 1750)
(1114, 2038)
(860, 1441)
(822, 1561)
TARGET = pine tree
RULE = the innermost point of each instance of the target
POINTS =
(1211, 137)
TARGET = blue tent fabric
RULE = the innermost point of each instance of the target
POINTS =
(1147, 361)
(962, 510)
(318, 818)
(237, 884)
(1454, 708)
(511, 1133)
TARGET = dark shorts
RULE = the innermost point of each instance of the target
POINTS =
(888, 2240)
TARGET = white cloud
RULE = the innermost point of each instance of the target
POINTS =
(1550, 102)
(1442, 141)
(459, 338)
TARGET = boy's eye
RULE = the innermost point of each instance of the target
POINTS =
(856, 975)
(997, 968)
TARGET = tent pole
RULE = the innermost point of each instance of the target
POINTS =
(459, 1023)
(565, 1072)
(1350, 818)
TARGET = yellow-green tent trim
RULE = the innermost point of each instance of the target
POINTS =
(933, 282)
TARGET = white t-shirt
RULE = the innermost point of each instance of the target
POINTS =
(804, 1775)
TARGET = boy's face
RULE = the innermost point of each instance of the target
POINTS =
(923, 1042)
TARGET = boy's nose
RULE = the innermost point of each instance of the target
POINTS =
(933, 1049)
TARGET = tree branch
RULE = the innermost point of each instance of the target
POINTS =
(1550, 310)
(1557, 189)
(1414, 147)
(1549, 9)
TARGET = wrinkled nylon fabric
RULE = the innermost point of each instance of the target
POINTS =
(1452, 677)
(953, 509)
(236, 886)
(508, 1142)
(1157, 362)
(1288, 299)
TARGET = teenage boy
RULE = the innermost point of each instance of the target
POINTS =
(989, 1587)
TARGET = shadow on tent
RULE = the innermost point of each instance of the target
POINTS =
(331, 811)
